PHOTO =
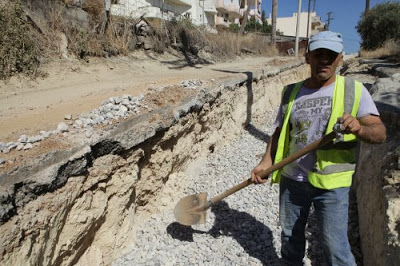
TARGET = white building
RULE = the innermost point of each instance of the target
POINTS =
(287, 25)
(198, 11)
(212, 13)
(228, 12)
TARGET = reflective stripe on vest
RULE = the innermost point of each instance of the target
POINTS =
(335, 162)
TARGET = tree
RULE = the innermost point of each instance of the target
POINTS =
(245, 16)
(380, 24)
(252, 25)
(263, 18)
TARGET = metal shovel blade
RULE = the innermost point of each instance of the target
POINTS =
(191, 209)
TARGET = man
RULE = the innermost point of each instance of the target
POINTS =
(308, 110)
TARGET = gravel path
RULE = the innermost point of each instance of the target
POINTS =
(243, 229)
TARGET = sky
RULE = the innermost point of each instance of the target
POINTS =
(346, 14)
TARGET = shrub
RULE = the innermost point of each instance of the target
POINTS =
(390, 49)
(19, 50)
(381, 24)
(33, 29)
(233, 27)
(184, 32)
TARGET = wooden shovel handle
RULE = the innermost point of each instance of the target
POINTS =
(265, 173)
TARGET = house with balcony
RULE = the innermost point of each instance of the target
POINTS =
(200, 12)
(287, 25)
(211, 13)
(228, 12)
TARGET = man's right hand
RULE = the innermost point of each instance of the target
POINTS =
(266, 161)
(254, 173)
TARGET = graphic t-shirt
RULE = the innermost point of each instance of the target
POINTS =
(308, 121)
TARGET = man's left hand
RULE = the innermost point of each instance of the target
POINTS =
(369, 128)
(350, 125)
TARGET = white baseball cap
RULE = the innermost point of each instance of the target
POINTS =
(327, 39)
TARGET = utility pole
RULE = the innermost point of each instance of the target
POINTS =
(308, 20)
(366, 7)
(203, 11)
(274, 11)
(329, 19)
(255, 19)
(298, 29)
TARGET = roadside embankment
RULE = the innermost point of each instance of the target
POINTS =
(378, 173)
(84, 202)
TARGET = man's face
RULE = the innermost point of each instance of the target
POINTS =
(323, 63)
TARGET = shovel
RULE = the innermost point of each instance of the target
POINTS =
(192, 209)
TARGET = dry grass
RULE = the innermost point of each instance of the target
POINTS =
(390, 49)
(19, 48)
(228, 43)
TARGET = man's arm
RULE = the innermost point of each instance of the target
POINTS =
(268, 158)
(369, 128)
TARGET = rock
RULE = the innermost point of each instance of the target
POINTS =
(23, 139)
(78, 123)
(20, 146)
(45, 134)
(28, 146)
(68, 117)
(62, 127)
(34, 139)
(2, 146)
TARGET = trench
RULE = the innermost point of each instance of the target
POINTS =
(84, 207)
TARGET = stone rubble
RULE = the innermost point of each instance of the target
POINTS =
(111, 110)
(192, 84)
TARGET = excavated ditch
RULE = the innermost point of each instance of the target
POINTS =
(54, 209)
(84, 204)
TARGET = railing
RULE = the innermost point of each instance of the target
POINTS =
(179, 2)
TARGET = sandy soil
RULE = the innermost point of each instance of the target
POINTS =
(72, 86)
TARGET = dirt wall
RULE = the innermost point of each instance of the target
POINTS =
(81, 206)
(378, 192)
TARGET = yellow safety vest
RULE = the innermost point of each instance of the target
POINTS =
(335, 164)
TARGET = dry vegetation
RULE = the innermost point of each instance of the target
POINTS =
(19, 49)
(390, 49)
(32, 31)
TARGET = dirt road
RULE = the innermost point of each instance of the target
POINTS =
(73, 87)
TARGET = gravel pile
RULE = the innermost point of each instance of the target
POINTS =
(243, 229)
(111, 110)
